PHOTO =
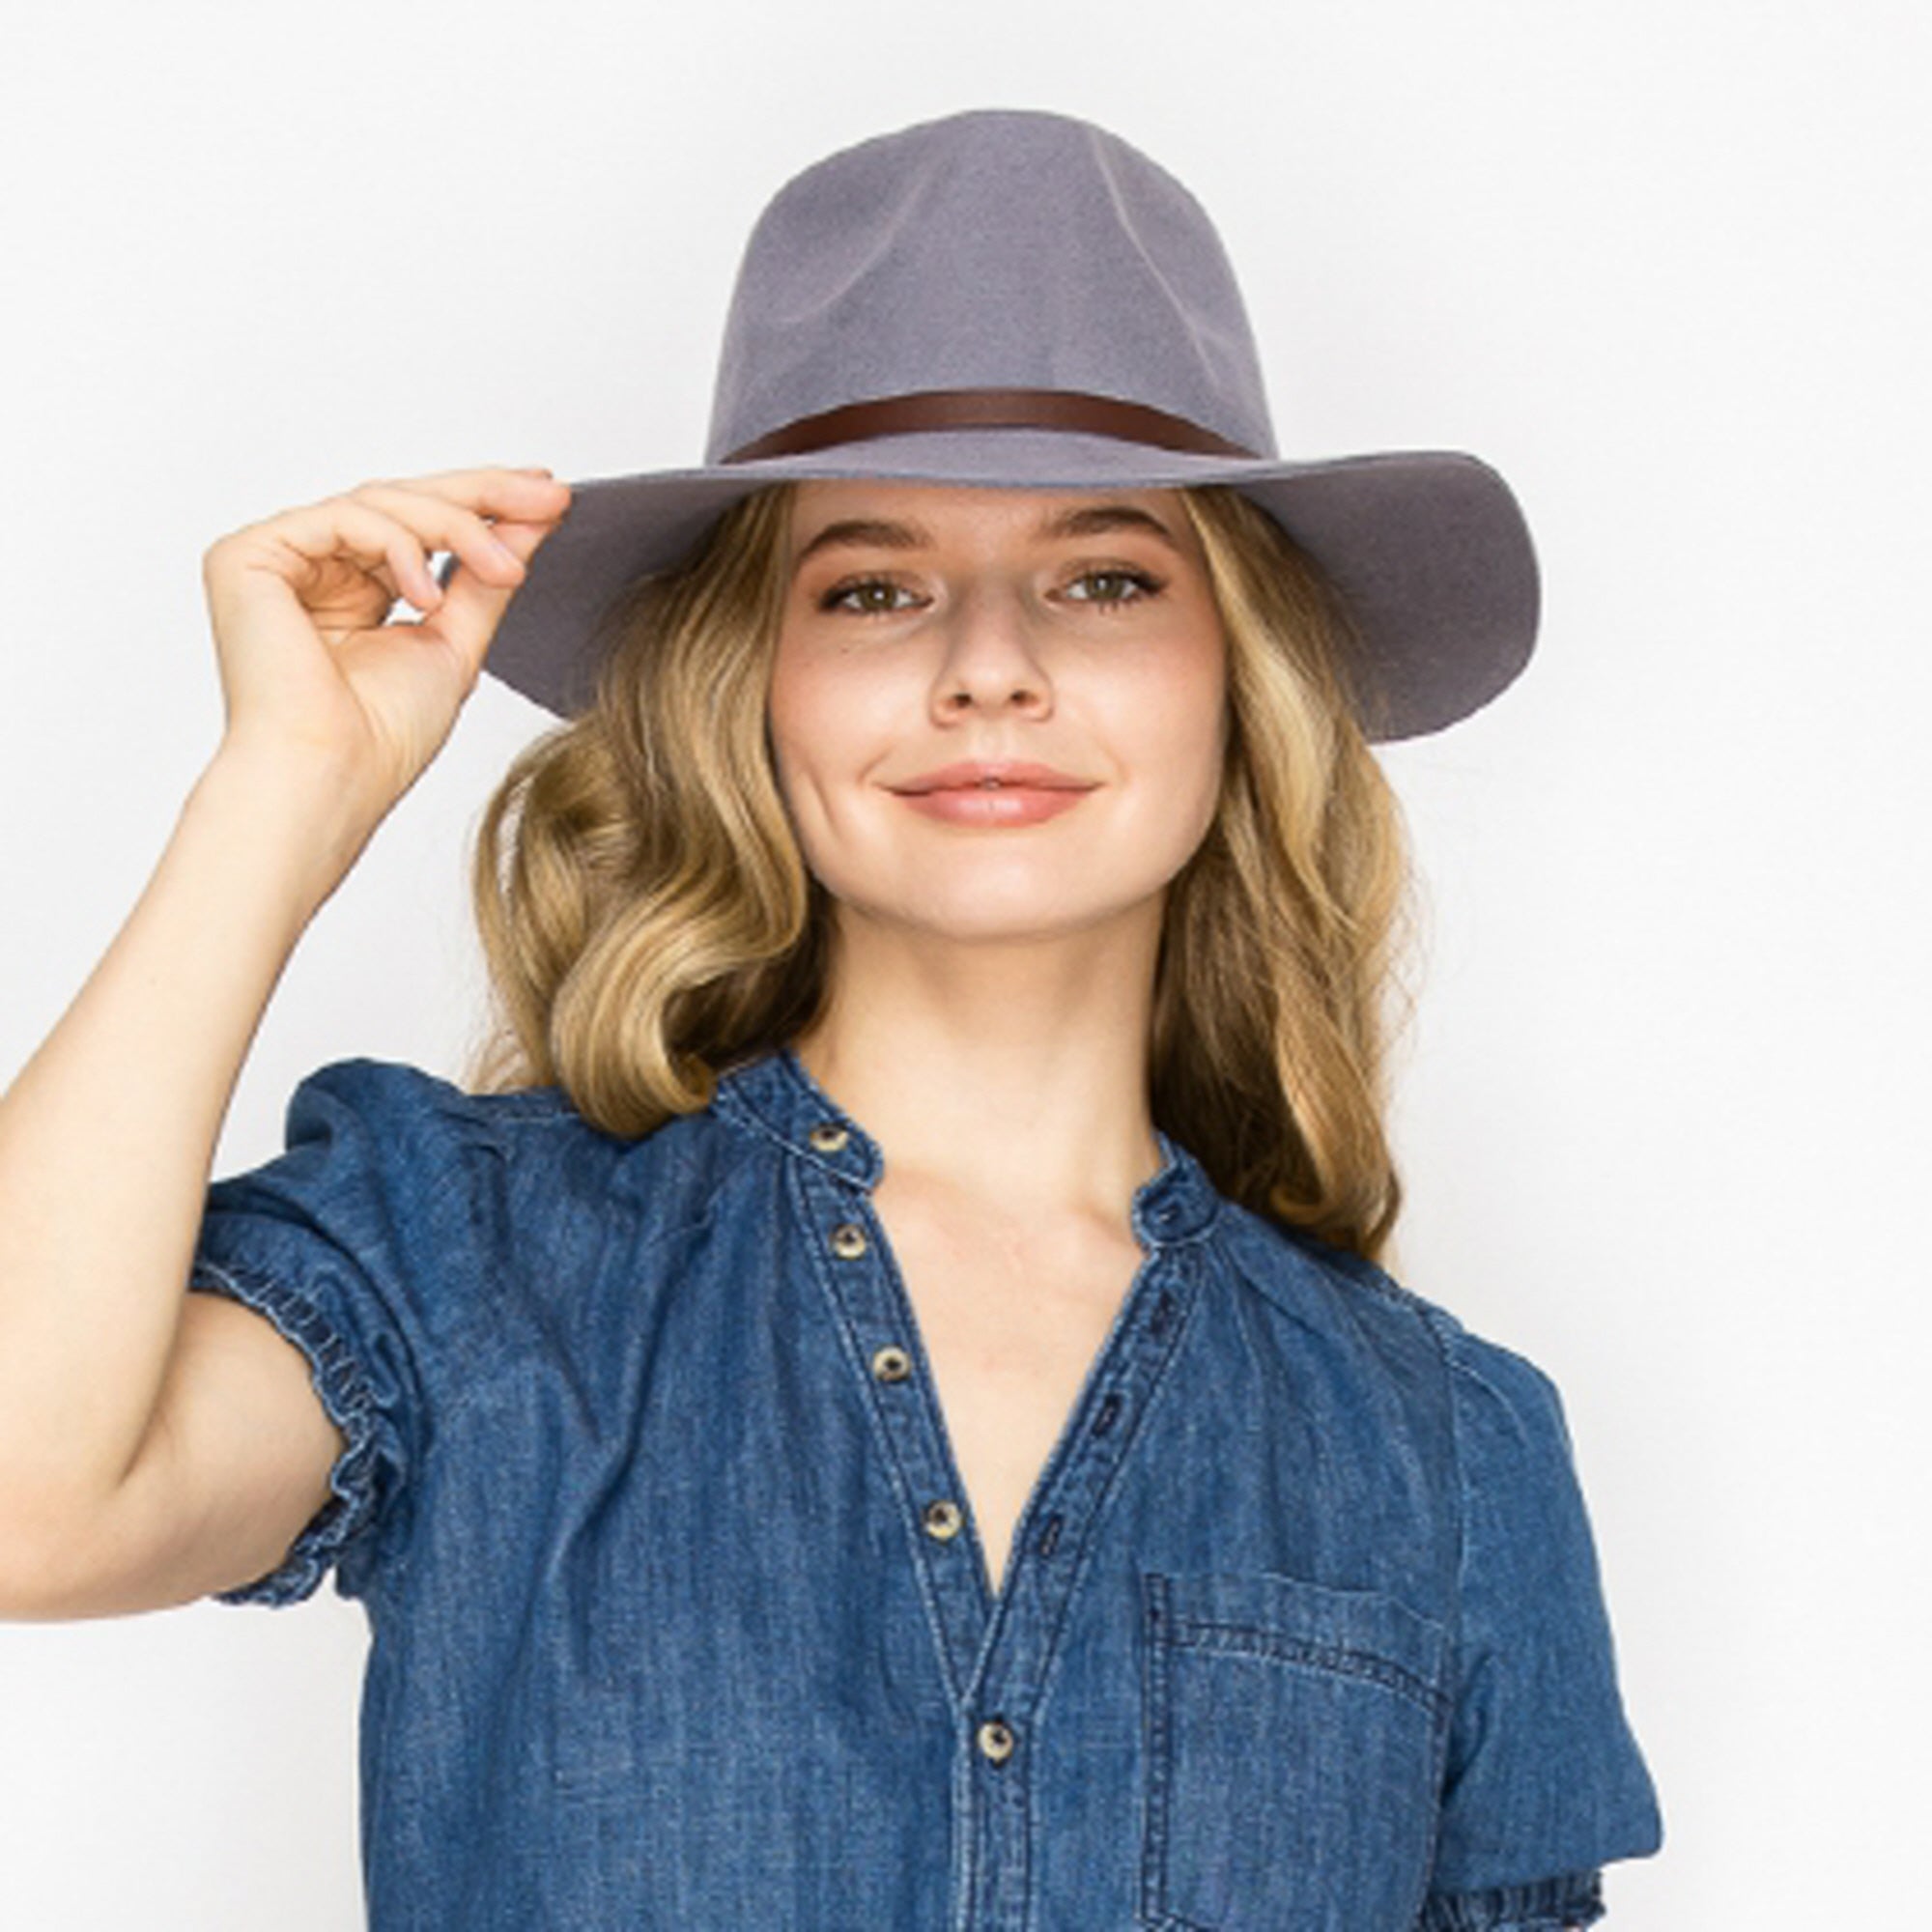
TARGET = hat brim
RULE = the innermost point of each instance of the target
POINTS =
(1428, 548)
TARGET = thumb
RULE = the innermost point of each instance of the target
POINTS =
(473, 607)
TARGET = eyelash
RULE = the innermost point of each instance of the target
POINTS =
(1145, 586)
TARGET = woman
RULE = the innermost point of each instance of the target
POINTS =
(879, 1407)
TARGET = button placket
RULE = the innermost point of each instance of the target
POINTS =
(863, 1289)
(1131, 1370)
(997, 1650)
(994, 1670)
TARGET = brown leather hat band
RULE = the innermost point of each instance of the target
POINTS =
(988, 409)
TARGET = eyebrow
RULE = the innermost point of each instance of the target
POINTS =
(1086, 520)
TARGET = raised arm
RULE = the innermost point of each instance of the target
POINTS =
(147, 1451)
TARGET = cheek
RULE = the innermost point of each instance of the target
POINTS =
(1172, 724)
(787, 705)
(825, 718)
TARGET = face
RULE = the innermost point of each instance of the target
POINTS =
(926, 626)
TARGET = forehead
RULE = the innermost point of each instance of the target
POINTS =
(945, 512)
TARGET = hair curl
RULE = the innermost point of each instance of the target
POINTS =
(648, 920)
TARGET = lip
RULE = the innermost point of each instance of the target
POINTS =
(973, 774)
(993, 807)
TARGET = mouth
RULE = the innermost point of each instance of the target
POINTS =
(990, 784)
(990, 806)
(982, 775)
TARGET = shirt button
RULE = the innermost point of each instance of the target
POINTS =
(828, 1137)
(892, 1364)
(943, 1518)
(848, 1240)
(996, 1739)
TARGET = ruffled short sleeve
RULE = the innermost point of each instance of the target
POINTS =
(349, 1243)
(1544, 1783)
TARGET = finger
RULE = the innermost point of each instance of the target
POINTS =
(538, 509)
(450, 572)
(524, 494)
(444, 524)
(347, 529)
(494, 563)
(470, 610)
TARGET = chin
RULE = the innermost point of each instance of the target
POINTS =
(972, 906)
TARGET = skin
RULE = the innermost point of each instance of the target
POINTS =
(992, 986)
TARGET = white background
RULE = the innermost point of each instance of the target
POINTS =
(1665, 265)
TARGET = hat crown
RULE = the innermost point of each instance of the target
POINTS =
(1005, 248)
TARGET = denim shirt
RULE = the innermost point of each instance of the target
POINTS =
(678, 1613)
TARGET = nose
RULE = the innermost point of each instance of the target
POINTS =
(992, 652)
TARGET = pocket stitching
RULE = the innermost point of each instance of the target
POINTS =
(1195, 1633)
(1153, 1730)
(1162, 1634)
(1155, 1704)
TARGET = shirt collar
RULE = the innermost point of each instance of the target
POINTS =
(777, 1092)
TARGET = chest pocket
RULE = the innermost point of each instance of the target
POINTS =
(1293, 1735)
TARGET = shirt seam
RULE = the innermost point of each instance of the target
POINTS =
(1440, 1328)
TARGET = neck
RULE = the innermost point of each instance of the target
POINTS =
(1010, 1073)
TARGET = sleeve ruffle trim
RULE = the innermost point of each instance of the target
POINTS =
(350, 1401)
(1542, 1905)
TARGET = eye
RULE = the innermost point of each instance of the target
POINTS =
(864, 596)
(1117, 588)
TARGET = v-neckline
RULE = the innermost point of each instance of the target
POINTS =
(836, 1165)
(1058, 1449)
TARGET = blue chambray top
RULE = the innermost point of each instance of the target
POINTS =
(679, 1618)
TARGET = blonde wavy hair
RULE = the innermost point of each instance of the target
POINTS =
(648, 920)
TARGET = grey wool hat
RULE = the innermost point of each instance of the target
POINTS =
(1010, 297)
